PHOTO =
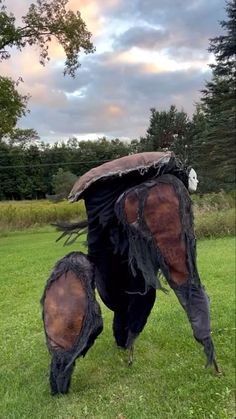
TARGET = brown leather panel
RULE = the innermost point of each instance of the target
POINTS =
(65, 308)
(161, 214)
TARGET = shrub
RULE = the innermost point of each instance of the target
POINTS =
(62, 183)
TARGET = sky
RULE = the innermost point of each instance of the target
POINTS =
(149, 54)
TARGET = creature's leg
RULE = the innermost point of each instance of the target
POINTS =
(120, 321)
(120, 330)
(133, 310)
(71, 315)
(195, 302)
(139, 308)
(60, 374)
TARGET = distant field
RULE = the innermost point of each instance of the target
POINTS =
(214, 214)
(18, 215)
(167, 379)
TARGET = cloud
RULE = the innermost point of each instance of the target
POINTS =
(183, 29)
(149, 54)
(117, 100)
(143, 37)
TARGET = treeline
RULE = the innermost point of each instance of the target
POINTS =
(36, 170)
(30, 169)
(27, 171)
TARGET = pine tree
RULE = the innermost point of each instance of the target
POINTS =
(219, 106)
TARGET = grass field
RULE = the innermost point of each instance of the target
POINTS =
(167, 379)
(214, 214)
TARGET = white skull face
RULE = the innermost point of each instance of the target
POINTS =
(192, 181)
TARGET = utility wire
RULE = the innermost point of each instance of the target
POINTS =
(52, 164)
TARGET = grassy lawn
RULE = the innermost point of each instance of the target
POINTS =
(167, 379)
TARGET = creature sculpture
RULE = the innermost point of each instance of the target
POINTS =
(71, 315)
(140, 224)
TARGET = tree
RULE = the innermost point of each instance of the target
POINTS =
(219, 105)
(168, 130)
(12, 105)
(62, 183)
(29, 170)
(22, 137)
(46, 20)
(224, 46)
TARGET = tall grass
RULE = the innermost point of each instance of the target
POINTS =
(214, 201)
(215, 223)
(214, 214)
(18, 215)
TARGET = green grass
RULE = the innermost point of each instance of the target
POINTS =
(167, 379)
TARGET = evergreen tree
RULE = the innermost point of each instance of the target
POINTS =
(219, 106)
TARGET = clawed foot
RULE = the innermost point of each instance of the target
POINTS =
(131, 356)
(216, 367)
(130, 346)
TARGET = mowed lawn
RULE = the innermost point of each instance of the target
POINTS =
(167, 379)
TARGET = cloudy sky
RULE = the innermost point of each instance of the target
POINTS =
(149, 53)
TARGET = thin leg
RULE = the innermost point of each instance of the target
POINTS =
(195, 302)
(60, 374)
(120, 330)
(131, 356)
(130, 346)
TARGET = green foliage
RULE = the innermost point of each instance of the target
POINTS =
(207, 141)
(219, 104)
(46, 19)
(62, 183)
(22, 137)
(12, 105)
(167, 379)
(224, 46)
(27, 170)
(168, 130)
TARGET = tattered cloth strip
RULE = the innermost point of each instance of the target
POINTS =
(143, 251)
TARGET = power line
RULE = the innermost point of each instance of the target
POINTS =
(52, 164)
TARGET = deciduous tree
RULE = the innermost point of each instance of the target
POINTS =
(44, 21)
(12, 105)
